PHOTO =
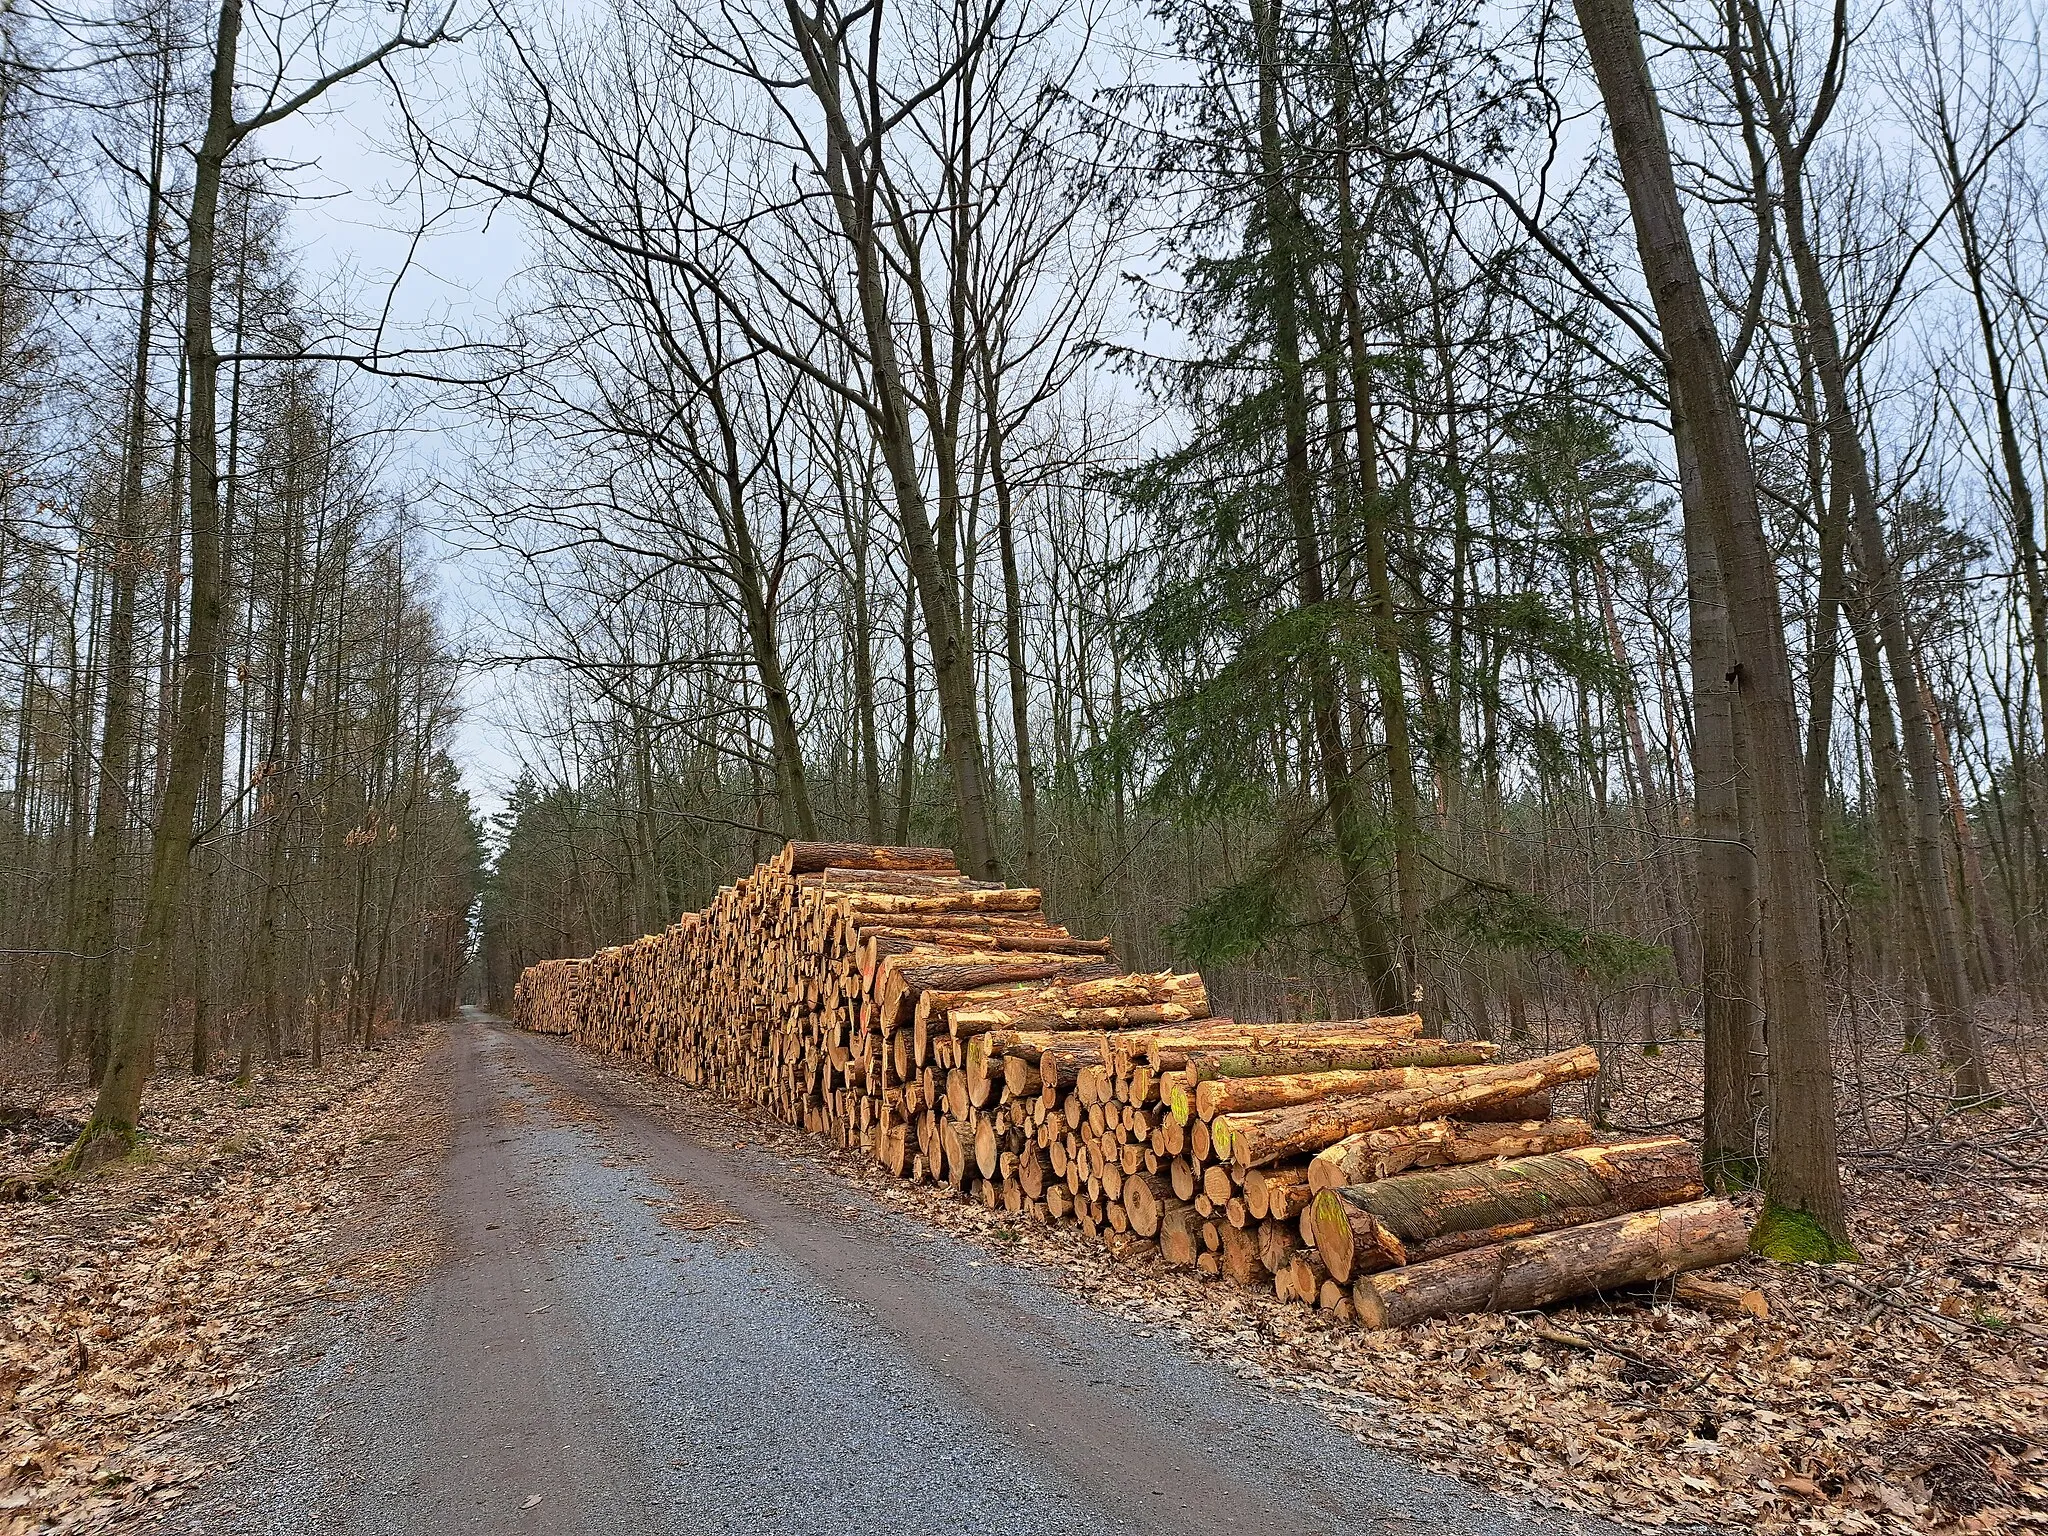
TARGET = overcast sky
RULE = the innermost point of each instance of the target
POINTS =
(355, 228)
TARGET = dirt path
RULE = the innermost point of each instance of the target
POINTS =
(640, 1328)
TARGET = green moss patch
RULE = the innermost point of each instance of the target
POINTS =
(1793, 1237)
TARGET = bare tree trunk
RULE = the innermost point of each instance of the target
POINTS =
(1805, 1217)
(134, 1033)
(862, 643)
(853, 170)
(1013, 641)
(1726, 863)
(1948, 977)
(906, 760)
(1401, 793)
(112, 814)
(1283, 253)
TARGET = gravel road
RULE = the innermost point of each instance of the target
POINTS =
(644, 1327)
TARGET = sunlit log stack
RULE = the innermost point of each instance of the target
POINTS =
(880, 997)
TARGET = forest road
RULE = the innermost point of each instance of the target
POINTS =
(639, 1327)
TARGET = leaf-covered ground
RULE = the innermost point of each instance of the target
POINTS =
(144, 1299)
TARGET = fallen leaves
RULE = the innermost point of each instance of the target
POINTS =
(136, 1302)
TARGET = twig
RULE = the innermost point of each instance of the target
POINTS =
(1550, 1333)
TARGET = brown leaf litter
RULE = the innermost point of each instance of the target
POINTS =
(138, 1300)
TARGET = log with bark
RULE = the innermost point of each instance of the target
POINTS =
(1413, 1217)
(1437, 1143)
(1264, 1136)
(1526, 1272)
(1371, 1070)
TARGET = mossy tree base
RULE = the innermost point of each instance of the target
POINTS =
(1793, 1237)
(101, 1142)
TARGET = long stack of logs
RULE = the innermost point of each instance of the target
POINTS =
(549, 996)
(879, 997)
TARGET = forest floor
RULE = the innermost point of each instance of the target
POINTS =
(1908, 1393)
(141, 1302)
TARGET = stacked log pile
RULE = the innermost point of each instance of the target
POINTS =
(881, 998)
(549, 996)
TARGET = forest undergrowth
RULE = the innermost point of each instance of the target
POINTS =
(141, 1302)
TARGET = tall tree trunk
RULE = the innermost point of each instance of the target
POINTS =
(1013, 638)
(1805, 1217)
(853, 169)
(1284, 250)
(134, 1035)
(1662, 863)
(1948, 978)
(906, 760)
(2012, 454)
(1401, 793)
(1726, 862)
(862, 642)
(113, 816)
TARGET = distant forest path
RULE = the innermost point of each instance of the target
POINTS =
(640, 1326)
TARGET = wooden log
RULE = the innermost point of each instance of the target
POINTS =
(1170, 1047)
(1180, 1234)
(1377, 1070)
(876, 946)
(1146, 1197)
(1204, 1066)
(897, 904)
(972, 1021)
(1216, 1184)
(1370, 1226)
(1276, 1246)
(1437, 1143)
(1308, 1274)
(901, 977)
(797, 858)
(1535, 1106)
(1267, 1135)
(957, 1143)
(987, 1147)
(1110, 1002)
(1267, 1191)
(1240, 1249)
(1534, 1271)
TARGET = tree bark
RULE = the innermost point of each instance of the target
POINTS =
(1805, 1175)
(1725, 862)
(1418, 1216)
(119, 1101)
(1258, 1137)
(1284, 246)
(1535, 1271)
